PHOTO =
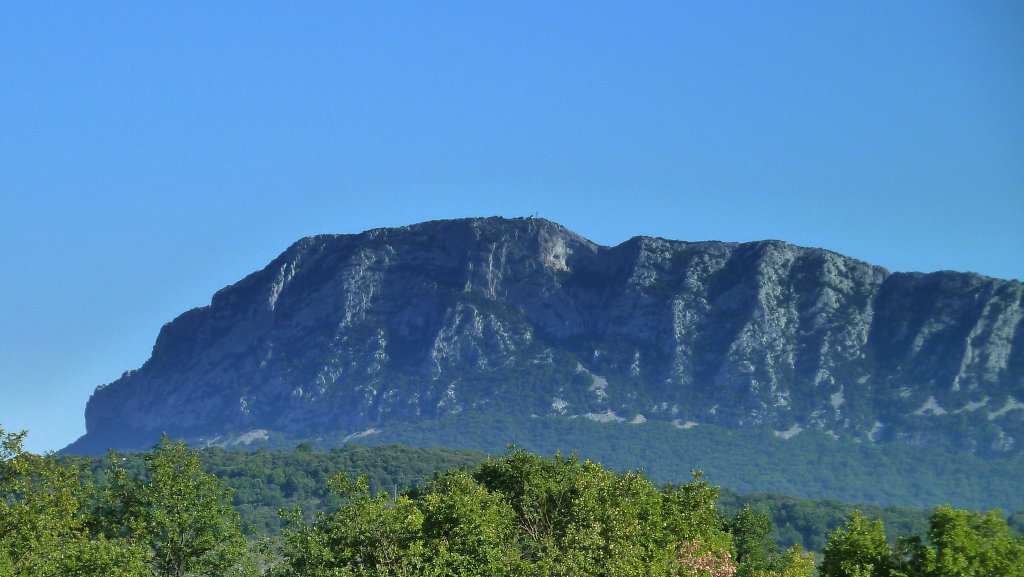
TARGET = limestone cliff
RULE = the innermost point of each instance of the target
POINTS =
(524, 317)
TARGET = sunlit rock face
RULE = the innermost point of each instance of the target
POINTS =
(524, 317)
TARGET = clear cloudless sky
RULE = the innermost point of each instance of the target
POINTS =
(154, 152)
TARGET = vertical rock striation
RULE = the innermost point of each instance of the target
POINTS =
(524, 317)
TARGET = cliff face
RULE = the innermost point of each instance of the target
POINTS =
(524, 317)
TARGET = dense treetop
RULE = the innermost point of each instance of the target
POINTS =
(163, 513)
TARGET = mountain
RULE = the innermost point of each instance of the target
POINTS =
(349, 335)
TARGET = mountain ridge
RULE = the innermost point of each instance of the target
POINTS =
(349, 332)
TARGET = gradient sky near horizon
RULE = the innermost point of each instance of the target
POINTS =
(152, 153)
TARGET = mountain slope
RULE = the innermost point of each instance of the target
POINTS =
(520, 317)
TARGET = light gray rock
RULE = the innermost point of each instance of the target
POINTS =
(350, 332)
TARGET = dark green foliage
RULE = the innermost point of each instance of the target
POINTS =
(808, 522)
(811, 464)
(959, 543)
(163, 513)
(1016, 523)
(751, 537)
(264, 481)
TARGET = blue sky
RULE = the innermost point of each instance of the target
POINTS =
(152, 153)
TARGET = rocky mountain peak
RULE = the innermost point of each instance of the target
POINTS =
(525, 317)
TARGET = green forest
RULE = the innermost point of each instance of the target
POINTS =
(811, 464)
(394, 511)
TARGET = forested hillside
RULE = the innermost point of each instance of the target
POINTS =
(161, 513)
(266, 481)
(810, 465)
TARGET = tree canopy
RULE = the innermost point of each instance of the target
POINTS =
(162, 514)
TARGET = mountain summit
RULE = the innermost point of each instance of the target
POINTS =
(523, 317)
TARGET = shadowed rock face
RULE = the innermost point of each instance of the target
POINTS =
(522, 316)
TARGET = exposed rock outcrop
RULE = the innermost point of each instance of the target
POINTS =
(522, 316)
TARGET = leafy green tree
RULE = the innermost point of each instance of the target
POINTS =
(751, 538)
(515, 515)
(910, 557)
(181, 515)
(467, 530)
(692, 520)
(43, 520)
(365, 536)
(756, 552)
(1016, 523)
(859, 550)
(794, 563)
(964, 543)
(575, 518)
